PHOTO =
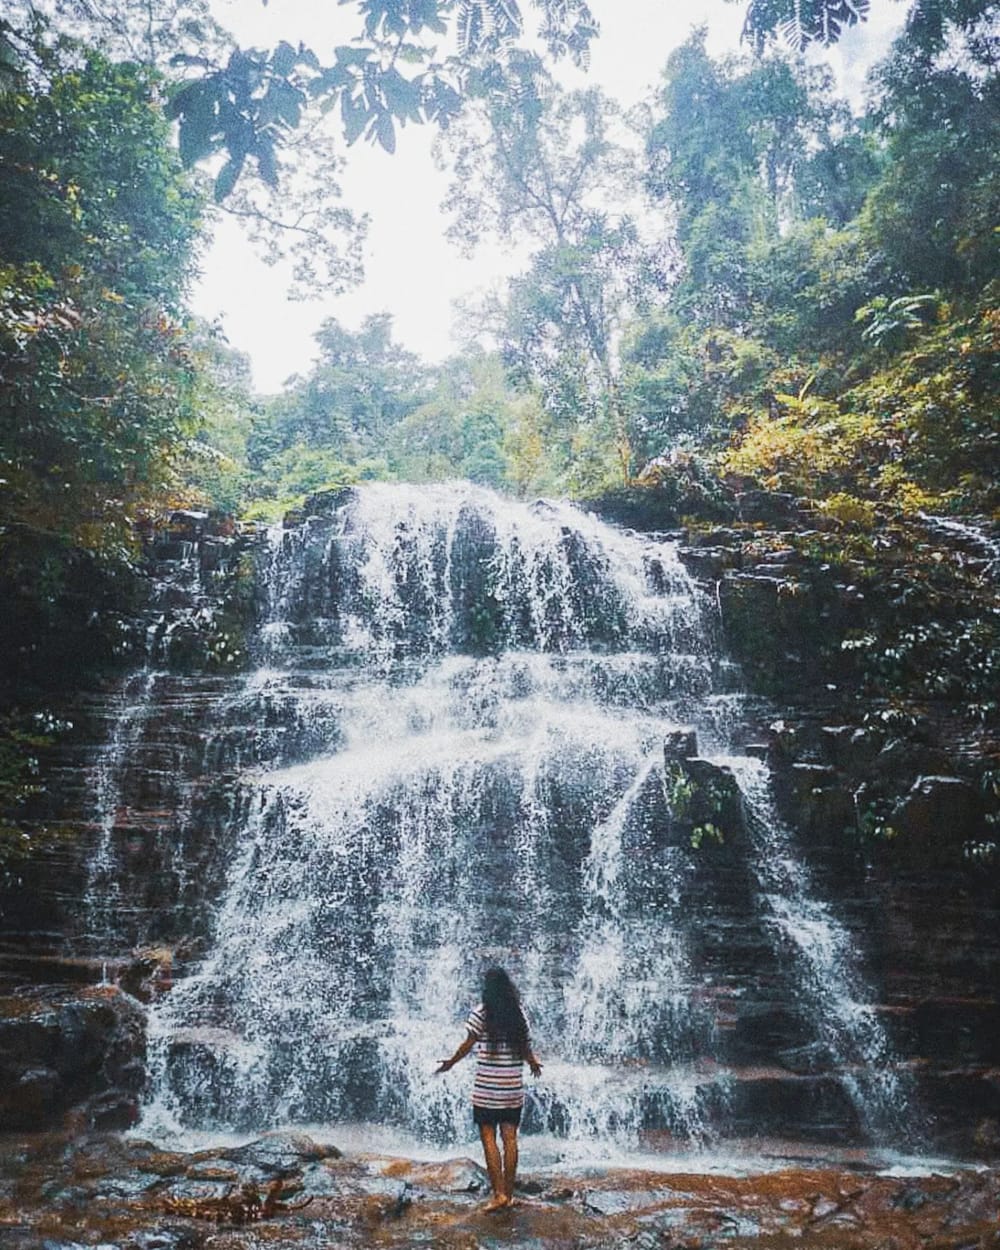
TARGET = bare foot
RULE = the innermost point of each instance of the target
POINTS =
(497, 1203)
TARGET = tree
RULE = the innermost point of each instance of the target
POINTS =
(740, 150)
(934, 211)
(99, 226)
(247, 102)
(460, 429)
(339, 418)
(361, 386)
(801, 22)
(391, 73)
(531, 162)
(210, 468)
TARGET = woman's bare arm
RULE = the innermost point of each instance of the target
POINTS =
(463, 1050)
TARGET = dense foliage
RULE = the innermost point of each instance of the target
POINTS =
(99, 225)
(745, 284)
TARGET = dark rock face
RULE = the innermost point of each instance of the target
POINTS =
(939, 810)
(892, 811)
(137, 796)
(83, 1049)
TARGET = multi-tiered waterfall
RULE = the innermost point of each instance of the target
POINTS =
(463, 704)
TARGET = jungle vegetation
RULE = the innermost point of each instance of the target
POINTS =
(746, 280)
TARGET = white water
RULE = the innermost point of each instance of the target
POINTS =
(103, 900)
(452, 809)
(825, 961)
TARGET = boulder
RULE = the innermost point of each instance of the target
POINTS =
(325, 503)
(186, 525)
(680, 744)
(78, 1052)
(703, 800)
(939, 813)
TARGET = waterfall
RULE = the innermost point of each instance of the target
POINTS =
(467, 700)
(102, 899)
(826, 965)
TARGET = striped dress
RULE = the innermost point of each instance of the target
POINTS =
(499, 1081)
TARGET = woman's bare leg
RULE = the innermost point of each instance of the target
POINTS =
(494, 1168)
(509, 1134)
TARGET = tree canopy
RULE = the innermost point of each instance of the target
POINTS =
(412, 61)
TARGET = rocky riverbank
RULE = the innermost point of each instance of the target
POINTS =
(64, 1193)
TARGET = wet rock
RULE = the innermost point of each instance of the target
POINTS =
(912, 1198)
(939, 812)
(182, 1189)
(704, 804)
(772, 624)
(901, 759)
(974, 1203)
(455, 1176)
(280, 1154)
(128, 1185)
(319, 1180)
(763, 505)
(986, 1137)
(710, 563)
(680, 744)
(849, 747)
(806, 1060)
(32, 1095)
(214, 554)
(186, 525)
(212, 1170)
(781, 555)
(825, 808)
(770, 1103)
(326, 502)
(68, 1049)
(807, 778)
(163, 1239)
(607, 1201)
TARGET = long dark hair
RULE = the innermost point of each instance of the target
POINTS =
(505, 1020)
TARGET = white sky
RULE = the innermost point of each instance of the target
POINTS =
(410, 268)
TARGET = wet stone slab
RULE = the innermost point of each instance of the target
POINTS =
(285, 1190)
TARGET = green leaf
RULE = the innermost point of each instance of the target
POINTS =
(355, 116)
(195, 139)
(402, 96)
(267, 163)
(385, 131)
(287, 103)
(227, 177)
(347, 55)
(283, 59)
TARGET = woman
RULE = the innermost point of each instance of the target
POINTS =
(500, 1030)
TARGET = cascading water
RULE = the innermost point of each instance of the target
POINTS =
(102, 901)
(826, 965)
(476, 694)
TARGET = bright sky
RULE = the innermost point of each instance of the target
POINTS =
(410, 268)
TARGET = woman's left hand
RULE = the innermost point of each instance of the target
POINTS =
(446, 1065)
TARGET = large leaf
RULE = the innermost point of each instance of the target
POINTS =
(226, 179)
(355, 117)
(385, 131)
